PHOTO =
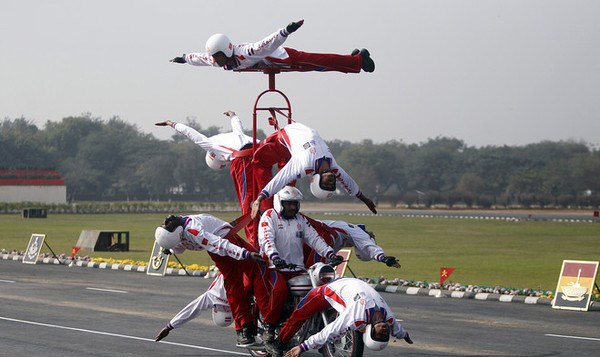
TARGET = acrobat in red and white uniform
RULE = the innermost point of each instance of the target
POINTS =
(340, 234)
(284, 238)
(206, 232)
(235, 147)
(214, 295)
(353, 299)
(269, 53)
(306, 150)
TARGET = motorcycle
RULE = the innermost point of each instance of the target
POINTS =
(348, 345)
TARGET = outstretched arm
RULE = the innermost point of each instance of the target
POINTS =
(271, 44)
(189, 312)
(195, 59)
(197, 137)
(367, 202)
(236, 123)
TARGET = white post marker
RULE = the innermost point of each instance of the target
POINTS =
(575, 285)
(33, 248)
(157, 265)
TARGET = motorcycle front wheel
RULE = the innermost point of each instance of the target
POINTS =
(348, 345)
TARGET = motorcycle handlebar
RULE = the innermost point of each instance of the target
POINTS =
(336, 263)
(296, 267)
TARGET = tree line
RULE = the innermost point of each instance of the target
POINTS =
(113, 161)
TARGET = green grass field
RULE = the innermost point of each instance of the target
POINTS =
(525, 254)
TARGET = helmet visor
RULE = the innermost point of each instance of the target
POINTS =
(327, 181)
(289, 209)
(381, 332)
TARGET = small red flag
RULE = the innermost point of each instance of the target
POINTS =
(74, 251)
(444, 274)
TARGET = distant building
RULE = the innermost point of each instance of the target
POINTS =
(40, 186)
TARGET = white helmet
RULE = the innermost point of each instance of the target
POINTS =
(166, 239)
(370, 341)
(219, 43)
(316, 189)
(214, 161)
(288, 193)
(221, 315)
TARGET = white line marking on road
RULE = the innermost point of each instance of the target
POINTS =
(575, 337)
(6, 281)
(108, 290)
(122, 336)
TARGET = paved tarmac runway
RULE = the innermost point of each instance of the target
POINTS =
(52, 310)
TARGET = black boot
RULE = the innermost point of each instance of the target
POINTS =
(275, 348)
(269, 333)
(245, 336)
(367, 63)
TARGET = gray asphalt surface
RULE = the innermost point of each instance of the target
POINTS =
(51, 310)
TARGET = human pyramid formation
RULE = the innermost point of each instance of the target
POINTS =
(279, 237)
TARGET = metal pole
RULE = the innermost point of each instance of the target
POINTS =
(348, 266)
(182, 266)
(53, 254)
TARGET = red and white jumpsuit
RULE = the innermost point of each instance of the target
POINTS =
(231, 256)
(306, 151)
(269, 53)
(340, 234)
(284, 238)
(235, 147)
(214, 295)
(353, 299)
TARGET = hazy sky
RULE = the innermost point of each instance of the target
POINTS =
(485, 72)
